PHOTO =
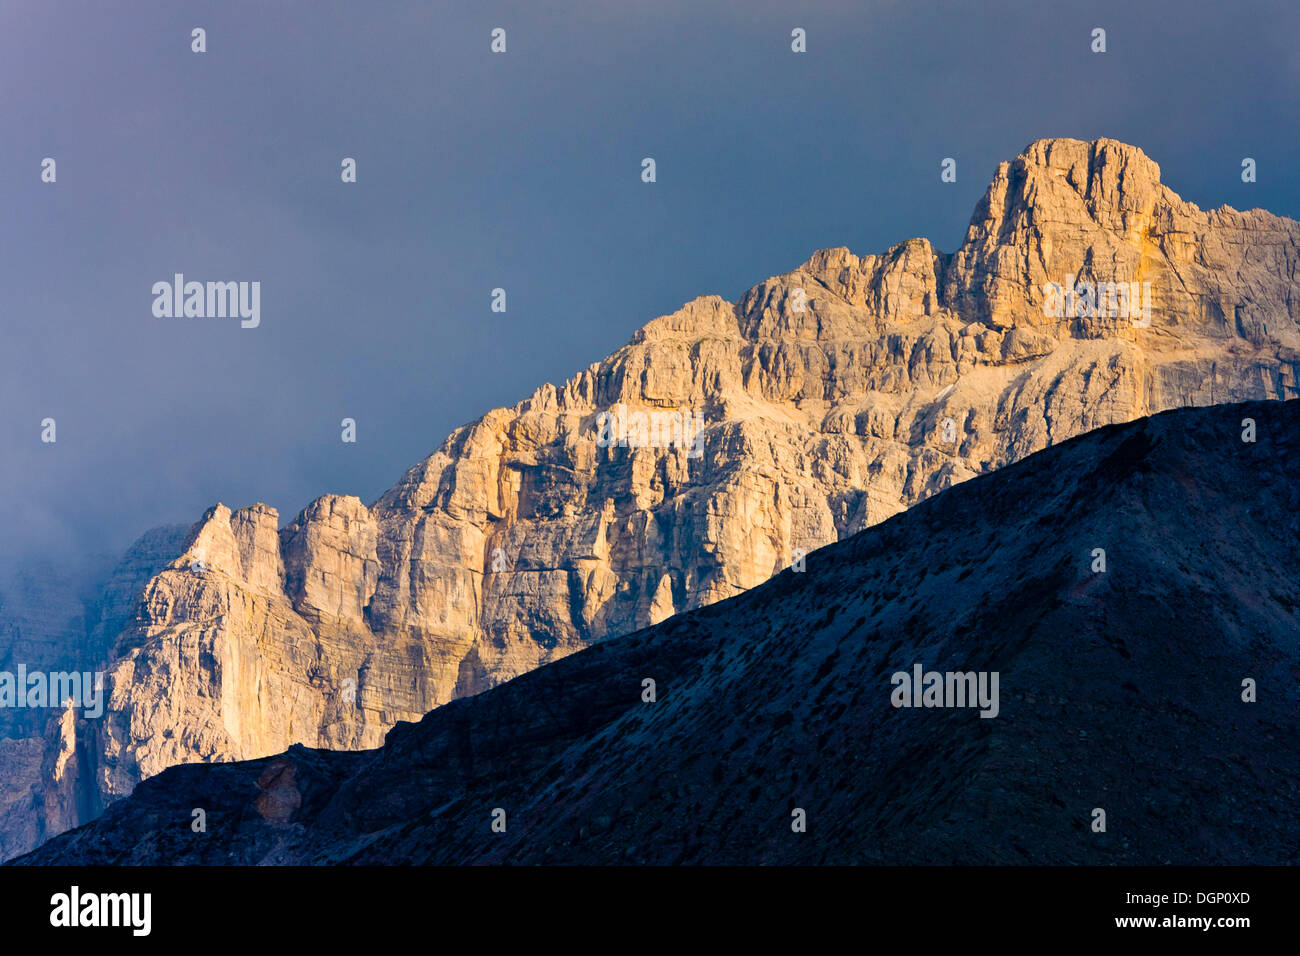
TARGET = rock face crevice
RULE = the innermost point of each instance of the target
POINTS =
(830, 398)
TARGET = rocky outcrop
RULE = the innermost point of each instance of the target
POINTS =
(265, 631)
(44, 626)
(1156, 688)
(721, 445)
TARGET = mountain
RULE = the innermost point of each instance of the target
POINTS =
(821, 403)
(1121, 688)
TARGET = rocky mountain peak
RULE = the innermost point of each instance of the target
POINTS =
(721, 445)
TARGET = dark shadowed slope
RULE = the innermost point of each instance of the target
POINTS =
(1119, 690)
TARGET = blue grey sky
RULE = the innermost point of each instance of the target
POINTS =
(519, 170)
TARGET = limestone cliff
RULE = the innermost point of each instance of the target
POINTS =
(45, 627)
(830, 398)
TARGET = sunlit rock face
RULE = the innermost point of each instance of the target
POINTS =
(722, 444)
